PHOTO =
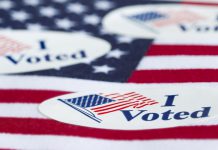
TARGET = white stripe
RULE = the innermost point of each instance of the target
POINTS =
(78, 85)
(17, 141)
(178, 62)
(19, 110)
(182, 39)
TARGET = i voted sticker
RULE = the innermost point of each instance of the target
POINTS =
(169, 20)
(25, 51)
(134, 110)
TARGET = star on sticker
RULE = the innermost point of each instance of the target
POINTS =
(115, 54)
(76, 8)
(124, 39)
(20, 15)
(65, 23)
(6, 4)
(103, 69)
(48, 11)
(92, 19)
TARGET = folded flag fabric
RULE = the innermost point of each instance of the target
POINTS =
(178, 61)
(130, 63)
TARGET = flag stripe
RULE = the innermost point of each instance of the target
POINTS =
(109, 106)
(157, 50)
(51, 127)
(55, 83)
(27, 96)
(19, 141)
(178, 62)
(114, 109)
(203, 3)
(182, 39)
(20, 110)
(174, 76)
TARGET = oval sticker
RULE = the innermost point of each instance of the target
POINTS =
(150, 21)
(25, 51)
(144, 109)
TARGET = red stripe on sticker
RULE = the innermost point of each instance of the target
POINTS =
(50, 127)
(174, 76)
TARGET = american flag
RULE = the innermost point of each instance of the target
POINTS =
(177, 63)
(106, 103)
(8, 45)
(123, 101)
(159, 19)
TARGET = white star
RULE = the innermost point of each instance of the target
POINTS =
(35, 27)
(124, 39)
(115, 54)
(104, 31)
(32, 2)
(20, 15)
(104, 5)
(65, 23)
(76, 8)
(48, 11)
(82, 33)
(6, 29)
(92, 19)
(103, 69)
(60, 1)
(6, 4)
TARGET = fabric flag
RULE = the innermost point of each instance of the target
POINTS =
(178, 60)
(172, 62)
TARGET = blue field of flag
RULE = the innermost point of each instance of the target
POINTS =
(148, 16)
(89, 100)
(81, 103)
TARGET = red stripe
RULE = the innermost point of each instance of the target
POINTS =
(116, 109)
(143, 98)
(110, 105)
(111, 94)
(130, 93)
(27, 96)
(50, 127)
(156, 50)
(141, 106)
(115, 106)
(126, 95)
(174, 76)
(135, 98)
(200, 3)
